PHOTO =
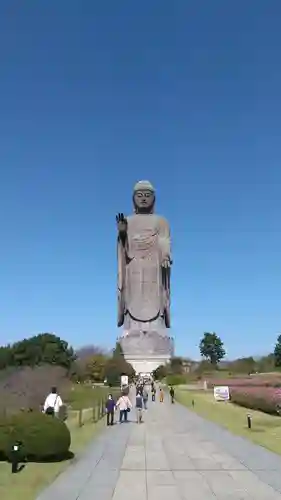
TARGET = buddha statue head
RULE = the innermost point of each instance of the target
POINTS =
(144, 197)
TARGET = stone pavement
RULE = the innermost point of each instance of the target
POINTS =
(173, 455)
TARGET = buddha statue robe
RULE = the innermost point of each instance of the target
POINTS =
(143, 281)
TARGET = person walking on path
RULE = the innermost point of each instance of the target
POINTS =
(153, 394)
(110, 407)
(172, 394)
(139, 406)
(124, 405)
(161, 396)
(145, 398)
(140, 388)
(53, 403)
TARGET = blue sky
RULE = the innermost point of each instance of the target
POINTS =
(97, 95)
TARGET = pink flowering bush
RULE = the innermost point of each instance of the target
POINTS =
(266, 399)
(258, 392)
(250, 381)
(27, 388)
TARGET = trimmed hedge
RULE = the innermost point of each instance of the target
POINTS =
(262, 399)
(43, 437)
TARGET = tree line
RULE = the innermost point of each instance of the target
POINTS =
(213, 352)
(94, 365)
(90, 364)
(45, 348)
(212, 349)
(97, 366)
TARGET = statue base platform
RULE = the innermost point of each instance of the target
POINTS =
(145, 351)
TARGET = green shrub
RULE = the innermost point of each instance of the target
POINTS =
(43, 437)
(175, 379)
(160, 372)
(115, 368)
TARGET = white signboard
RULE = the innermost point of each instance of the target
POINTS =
(221, 393)
(124, 380)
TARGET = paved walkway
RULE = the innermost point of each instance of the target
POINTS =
(173, 455)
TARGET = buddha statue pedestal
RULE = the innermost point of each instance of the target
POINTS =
(145, 351)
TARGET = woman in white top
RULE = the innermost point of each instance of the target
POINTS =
(124, 405)
(53, 402)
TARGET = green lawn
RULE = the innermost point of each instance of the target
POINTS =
(266, 429)
(35, 476)
(85, 396)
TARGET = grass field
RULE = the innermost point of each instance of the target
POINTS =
(35, 476)
(266, 429)
(84, 396)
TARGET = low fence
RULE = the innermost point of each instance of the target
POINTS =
(92, 414)
(87, 415)
(79, 416)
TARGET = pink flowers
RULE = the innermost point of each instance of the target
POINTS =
(256, 392)
(266, 399)
(251, 381)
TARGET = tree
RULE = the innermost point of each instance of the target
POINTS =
(118, 351)
(266, 363)
(115, 367)
(87, 351)
(95, 367)
(160, 372)
(277, 352)
(5, 357)
(211, 348)
(45, 348)
(243, 365)
(176, 365)
(89, 369)
(204, 366)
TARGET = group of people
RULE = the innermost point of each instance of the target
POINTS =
(124, 404)
(54, 402)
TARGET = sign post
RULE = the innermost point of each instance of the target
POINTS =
(221, 393)
(124, 380)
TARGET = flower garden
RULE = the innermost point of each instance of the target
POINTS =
(261, 393)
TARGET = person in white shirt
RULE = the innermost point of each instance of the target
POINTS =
(124, 405)
(53, 403)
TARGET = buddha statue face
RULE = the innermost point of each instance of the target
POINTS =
(144, 197)
(144, 200)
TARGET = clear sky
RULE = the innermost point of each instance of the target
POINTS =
(97, 95)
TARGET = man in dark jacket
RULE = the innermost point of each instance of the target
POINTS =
(110, 407)
(172, 394)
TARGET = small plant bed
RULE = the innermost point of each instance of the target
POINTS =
(36, 475)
